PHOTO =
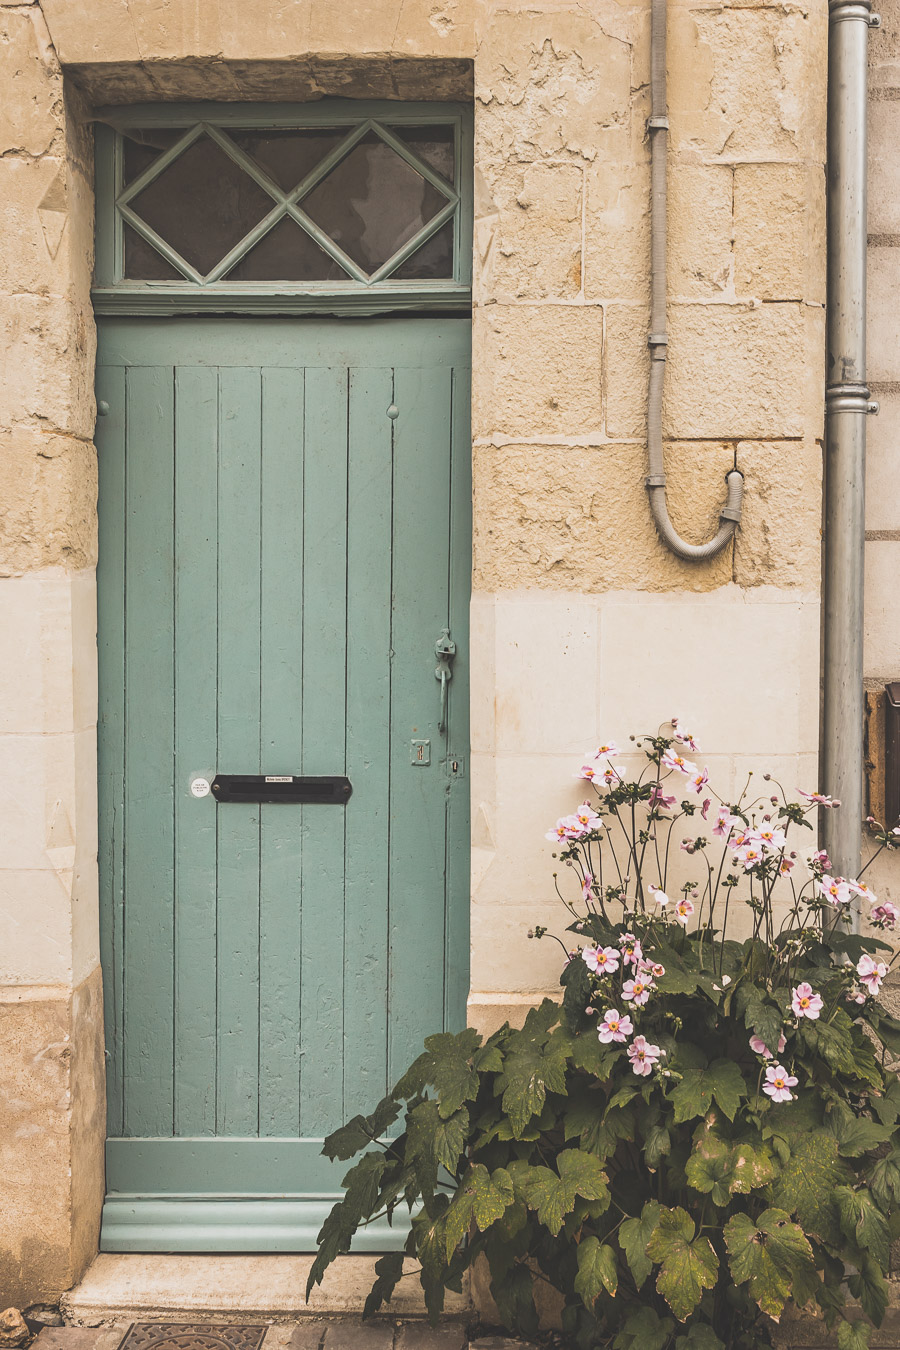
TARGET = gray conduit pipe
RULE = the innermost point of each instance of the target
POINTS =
(846, 405)
(657, 338)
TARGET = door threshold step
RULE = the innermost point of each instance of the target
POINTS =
(339, 1333)
(125, 1288)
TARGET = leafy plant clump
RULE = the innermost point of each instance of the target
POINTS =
(703, 1129)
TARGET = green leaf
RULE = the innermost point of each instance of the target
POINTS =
(855, 1134)
(388, 1270)
(644, 1330)
(361, 1131)
(807, 1181)
(864, 1223)
(699, 1337)
(884, 1180)
(533, 1066)
(765, 1255)
(888, 1031)
(763, 1018)
(853, 1335)
(514, 1297)
(596, 1271)
(634, 1234)
(688, 1263)
(360, 1202)
(433, 1142)
(493, 1194)
(720, 1168)
(695, 1094)
(445, 1065)
(552, 1196)
(870, 1287)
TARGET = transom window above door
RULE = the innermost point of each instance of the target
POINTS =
(367, 204)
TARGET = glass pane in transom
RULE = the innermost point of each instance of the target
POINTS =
(202, 204)
(142, 145)
(287, 253)
(434, 145)
(144, 263)
(372, 202)
(433, 260)
(288, 156)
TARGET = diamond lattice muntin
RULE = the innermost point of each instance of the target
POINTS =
(329, 204)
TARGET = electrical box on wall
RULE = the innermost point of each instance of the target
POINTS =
(883, 754)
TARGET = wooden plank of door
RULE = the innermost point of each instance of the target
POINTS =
(324, 750)
(456, 979)
(149, 733)
(418, 796)
(196, 675)
(110, 437)
(281, 657)
(238, 752)
(369, 516)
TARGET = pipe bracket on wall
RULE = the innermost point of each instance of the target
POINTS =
(657, 339)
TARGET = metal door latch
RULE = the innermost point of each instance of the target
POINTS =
(444, 650)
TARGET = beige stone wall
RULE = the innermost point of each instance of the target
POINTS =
(582, 624)
(585, 627)
(882, 604)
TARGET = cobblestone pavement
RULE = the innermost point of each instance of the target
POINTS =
(344, 1333)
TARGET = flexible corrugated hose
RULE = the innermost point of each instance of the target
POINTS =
(657, 338)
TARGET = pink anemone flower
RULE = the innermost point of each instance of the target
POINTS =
(778, 1082)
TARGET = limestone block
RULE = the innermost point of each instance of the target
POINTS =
(554, 83)
(881, 628)
(578, 517)
(48, 658)
(735, 371)
(883, 317)
(545, 642)
(482, 644)
(533, 247)
(537, 370)
(46, 357)
(884, 54)
(779, 539)
(884, 163)
(31, 111)
(779, 232)
(51, 1137)
(882, 439)
(745, 676)
(700, 262)
(148, 30)
(747, 83)
(617, 230)
(48, 514)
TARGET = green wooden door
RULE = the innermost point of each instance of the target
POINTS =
(285, 532)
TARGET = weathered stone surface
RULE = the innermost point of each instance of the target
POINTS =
(46, 354)
(779, 231)
(13, 1328)
(577, 517)
(350, 1334)
(48, 511)
(700, 262)
(415, 1336)
(537, 370)
(735, 371)
(746, 84)
(780, 536)
(52, 1054)
(31, 112)
(534, 248)
(551, 84)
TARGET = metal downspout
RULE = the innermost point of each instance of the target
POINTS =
(847, 404)
(657, 338)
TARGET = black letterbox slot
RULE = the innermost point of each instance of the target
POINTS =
(248, 787)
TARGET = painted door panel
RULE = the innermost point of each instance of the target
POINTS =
(278, 557)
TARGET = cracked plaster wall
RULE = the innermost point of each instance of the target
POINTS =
(582, 624)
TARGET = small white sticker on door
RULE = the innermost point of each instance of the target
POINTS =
(200, 787)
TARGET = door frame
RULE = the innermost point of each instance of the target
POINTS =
(279, 1223)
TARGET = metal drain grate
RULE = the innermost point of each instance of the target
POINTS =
(193, 1336)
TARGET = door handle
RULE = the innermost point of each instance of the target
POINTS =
(444, 650)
